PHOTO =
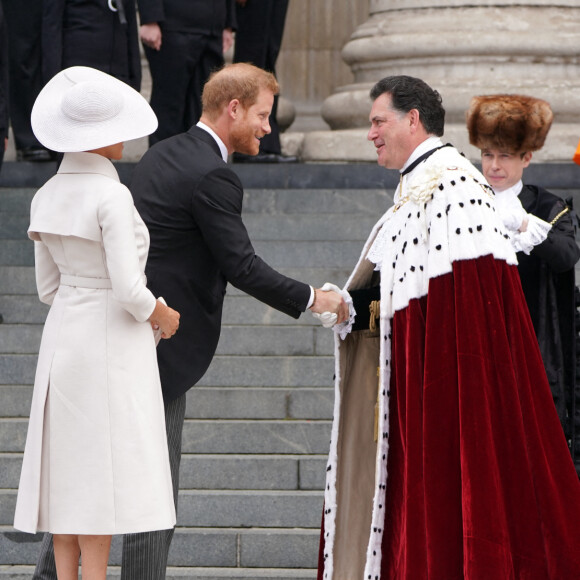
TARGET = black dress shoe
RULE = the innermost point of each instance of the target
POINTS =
(264, 158)
(35, 154)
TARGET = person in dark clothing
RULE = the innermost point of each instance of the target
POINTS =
(258, 40)
(184, 42)
(23, 24)
(4, 122)
(101, 34)
(507, 129)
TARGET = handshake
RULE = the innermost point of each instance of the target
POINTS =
(332, 305)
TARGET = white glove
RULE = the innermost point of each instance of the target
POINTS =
(328, 319)
(536, 233)
(510, 210)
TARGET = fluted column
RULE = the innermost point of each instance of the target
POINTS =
(461, 48)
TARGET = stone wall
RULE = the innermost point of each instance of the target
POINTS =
(462, 48)
(310, 66)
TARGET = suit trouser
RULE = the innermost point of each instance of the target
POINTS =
(258, 40)
(178, 72)
(144, 555)
(24, 21)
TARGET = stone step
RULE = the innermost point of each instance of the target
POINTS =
(316, 227)
(20, 338)
(234, 340)
(256, 437)
(216, 402)
(219, 472)
(17, 280)
(260, 403)
(314, 201)
(16, 401)
(17, 369)
(13, 226)
(16, 252)
(254, 371)
(294, 254)
(16, 200)
(231, 550)
(227, 509)
(219, 436)
(276, 340)
(22, 308)
(114, 572)
(224, 371)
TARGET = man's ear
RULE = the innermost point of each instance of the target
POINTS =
(414, 119)
(234, 107)
(527, 157)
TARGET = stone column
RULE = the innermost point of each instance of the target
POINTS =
(461, 48)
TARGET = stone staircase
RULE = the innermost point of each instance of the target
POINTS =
(258, 423)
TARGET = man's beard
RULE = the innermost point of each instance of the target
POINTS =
(243, 141)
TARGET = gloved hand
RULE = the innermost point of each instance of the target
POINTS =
(328, 319)
(510, 210)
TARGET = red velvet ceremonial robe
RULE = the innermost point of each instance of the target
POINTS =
(470, 477)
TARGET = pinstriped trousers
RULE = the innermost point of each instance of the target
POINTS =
(144, 555)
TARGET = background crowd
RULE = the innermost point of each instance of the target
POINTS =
(183, 41)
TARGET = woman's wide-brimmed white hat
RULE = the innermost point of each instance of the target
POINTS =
(82, 108)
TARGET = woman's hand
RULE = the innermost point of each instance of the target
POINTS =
(165, 319)
(150, 35)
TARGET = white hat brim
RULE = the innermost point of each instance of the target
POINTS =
(58, 132)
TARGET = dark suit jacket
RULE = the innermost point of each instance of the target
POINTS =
(191, 202)
(89, 33)
(201, 16)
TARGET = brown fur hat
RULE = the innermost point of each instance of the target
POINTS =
(511, 123)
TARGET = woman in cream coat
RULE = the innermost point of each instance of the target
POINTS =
(96, 460)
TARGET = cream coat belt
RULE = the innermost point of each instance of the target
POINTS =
(81, 282)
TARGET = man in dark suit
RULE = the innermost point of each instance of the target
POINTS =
(184, 42)
(191, 202)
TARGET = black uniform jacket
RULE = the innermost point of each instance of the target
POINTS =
(191, 202)
(548, 281)
(89, 33)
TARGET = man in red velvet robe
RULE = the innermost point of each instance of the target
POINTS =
(452, 463)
